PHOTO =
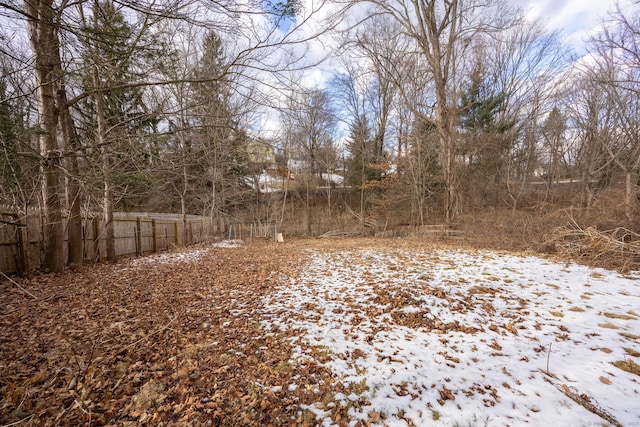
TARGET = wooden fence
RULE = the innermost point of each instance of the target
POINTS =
(431, 231)
(248, 231)
(21, 238)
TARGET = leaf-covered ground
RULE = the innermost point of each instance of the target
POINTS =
(358, 332)
(172, 339)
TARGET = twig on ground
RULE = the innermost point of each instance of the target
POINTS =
(548, 356)
(18, 286)
(337, 234)
(580, 399)
(19, 421)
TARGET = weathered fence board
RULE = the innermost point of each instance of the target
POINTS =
(135, 234)
(430, 231)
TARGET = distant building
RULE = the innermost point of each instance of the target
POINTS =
(261, 152)
(297, 166)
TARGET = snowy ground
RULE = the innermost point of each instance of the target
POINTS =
(191, 255)
(442, 337)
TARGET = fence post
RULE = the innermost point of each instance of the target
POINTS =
(230, 228)
(175, 230)
(154, 235)
(84, 242)
(166, 239)
(23, 243)
(136, 232)
(139, 236)
(96, 238)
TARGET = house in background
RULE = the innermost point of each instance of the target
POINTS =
(261, 153)
(297, 166)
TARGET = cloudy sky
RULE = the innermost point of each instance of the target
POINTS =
(574, 18)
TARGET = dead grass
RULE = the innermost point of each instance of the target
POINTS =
(631, 352)
(608, 325)
(617, 247)
(479, 290)
(630, 336)
(619, 316)
(568, 233)
(627, 365)
(539, 225)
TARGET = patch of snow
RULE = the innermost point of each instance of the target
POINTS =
(170, 257)
(333, 178)
(192, 255)
(267, 183)
(463, 337)
(227, 244)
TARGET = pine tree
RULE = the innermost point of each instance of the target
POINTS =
(222, 159)
(481, 121)
(360, 148)
(116, 52)
(10, 169)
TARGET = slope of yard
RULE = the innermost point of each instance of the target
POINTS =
(345, 333)
(465, 338)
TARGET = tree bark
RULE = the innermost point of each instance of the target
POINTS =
(70, 138)
(44, 43)
(107, 194)
(107, 202)
(628, 196)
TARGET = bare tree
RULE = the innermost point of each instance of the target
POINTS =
(526, 62)
(593, 121)
(554, 134)
(263, 34)
(442, 32)
(616, 50)
(43, 36)
(313, 123)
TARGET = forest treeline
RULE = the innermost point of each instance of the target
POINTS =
(434, 109)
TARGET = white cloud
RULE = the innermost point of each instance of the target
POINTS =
(575, 19)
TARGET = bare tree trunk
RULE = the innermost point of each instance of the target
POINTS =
(70, 138)
(107, 211)
(628, 196)
(329, 200)
(183, 196)
(446, 136)
(362, 192)
(44, 43)
(284, 199)
(308, 207)
(107, 202)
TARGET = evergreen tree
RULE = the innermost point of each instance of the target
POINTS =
(361, 155)
(221, 144)
(553, 131)
(118, 54)
(10, 169)
(483, 124)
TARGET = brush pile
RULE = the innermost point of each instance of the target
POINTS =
(619, 247)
